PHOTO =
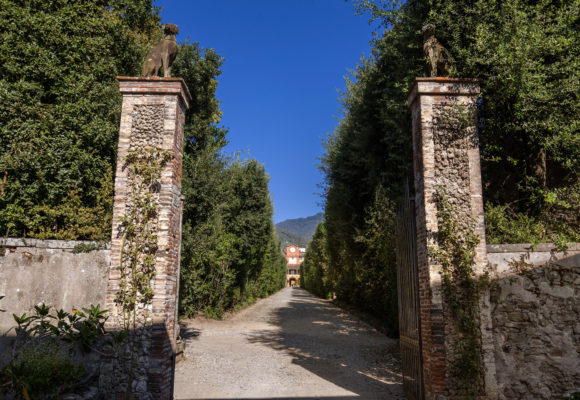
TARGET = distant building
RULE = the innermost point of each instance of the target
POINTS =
(294, 257)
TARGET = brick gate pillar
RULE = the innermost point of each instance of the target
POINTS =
(152, 117)
(452, 162)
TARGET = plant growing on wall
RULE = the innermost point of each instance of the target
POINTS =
(138, 229)
(455, 246)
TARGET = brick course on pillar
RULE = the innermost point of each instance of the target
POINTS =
(452, 163)
(153, 115)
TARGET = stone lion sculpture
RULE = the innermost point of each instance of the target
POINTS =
(162, 54)
(440, 60)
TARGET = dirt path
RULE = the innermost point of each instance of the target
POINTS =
(290, 345)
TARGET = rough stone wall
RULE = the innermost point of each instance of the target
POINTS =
(536, 320)
(457, 173)
(34, 271)
(452, 141)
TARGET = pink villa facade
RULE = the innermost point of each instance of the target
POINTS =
(294, 257)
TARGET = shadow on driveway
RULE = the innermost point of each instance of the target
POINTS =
(336, 346)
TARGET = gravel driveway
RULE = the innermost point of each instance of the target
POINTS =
(291, 345)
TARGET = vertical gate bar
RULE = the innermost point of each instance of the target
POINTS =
(408, 297)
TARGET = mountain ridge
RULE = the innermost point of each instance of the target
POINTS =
(298, 231)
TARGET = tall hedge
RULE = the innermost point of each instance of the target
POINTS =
(60, 108)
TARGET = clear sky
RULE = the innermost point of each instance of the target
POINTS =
(285, 61)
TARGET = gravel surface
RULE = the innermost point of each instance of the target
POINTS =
(291, 345)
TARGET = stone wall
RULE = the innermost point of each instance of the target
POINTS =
(536, 320)
(49, 271)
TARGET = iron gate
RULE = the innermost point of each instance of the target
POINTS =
(408, 293)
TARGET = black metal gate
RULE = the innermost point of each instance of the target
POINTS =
(408, 293)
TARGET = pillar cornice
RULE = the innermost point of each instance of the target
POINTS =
(441, 86)
(153, 85)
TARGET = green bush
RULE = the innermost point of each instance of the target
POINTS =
(42, 365)
(41, 371)
(503, 225)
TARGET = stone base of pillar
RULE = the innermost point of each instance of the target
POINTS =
(446, 158)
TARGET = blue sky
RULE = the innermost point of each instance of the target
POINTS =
(284, 61)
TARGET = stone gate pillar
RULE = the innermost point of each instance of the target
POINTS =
(450, 161)
(152, 117)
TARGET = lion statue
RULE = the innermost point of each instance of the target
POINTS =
(162, 54)
(440, 60)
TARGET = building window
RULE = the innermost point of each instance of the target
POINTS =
(292, 260)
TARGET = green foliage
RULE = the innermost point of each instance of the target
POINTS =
(230, 254)
(526, 54)
(60, 109)
(557, 223)
(272, 277)
(376, 270)
(233, 254)
(42, 365)
(40, 372)
(206, 276)
(315, 270)
(504, 225)
(83, 327)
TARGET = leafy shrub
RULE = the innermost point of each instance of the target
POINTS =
(43, 364)
(41, 371)
(503, 225)
(83, 327)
